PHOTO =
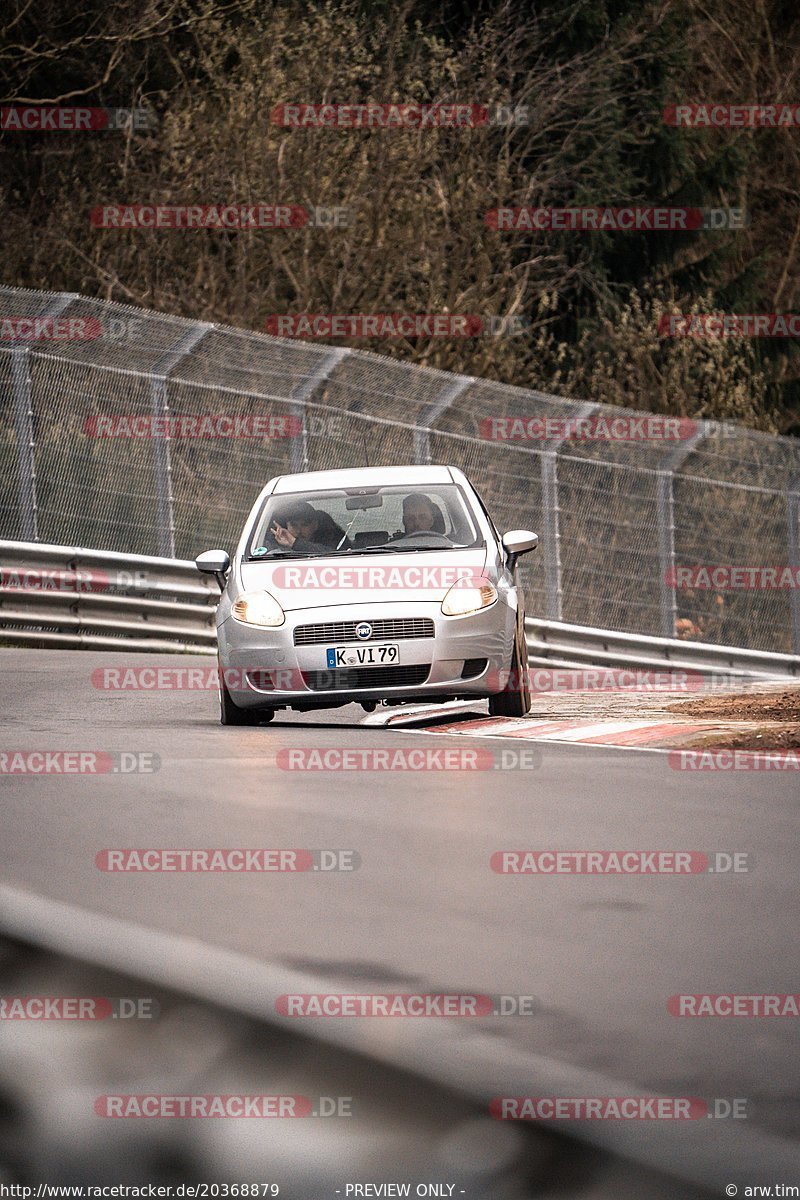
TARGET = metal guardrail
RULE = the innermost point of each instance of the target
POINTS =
(559, 645)
(71, 597)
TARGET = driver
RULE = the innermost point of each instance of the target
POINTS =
(419, 514)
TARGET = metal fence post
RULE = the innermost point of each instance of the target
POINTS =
(665, 503)
(552, 535)
(422, 431)
(300, 394)
(793, 514)
(22, 396)
(551, 516)
(162, 459)
(23, 427)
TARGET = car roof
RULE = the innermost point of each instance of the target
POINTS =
(353, 477)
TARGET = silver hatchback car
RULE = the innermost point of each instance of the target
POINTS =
(379, 585)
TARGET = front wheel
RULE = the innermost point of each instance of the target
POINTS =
(515, 698)
(231, 714)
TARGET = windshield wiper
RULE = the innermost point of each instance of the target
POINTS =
(396, 549)
(297, 555)
(271, 556)
(400, 549)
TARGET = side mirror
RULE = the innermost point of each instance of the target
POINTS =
(518, 541)
(216, 563)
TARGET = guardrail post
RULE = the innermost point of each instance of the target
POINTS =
(162, 459)
(793, 514)
(665, 504)
(422, 431)
(300, 394)
(551, 516)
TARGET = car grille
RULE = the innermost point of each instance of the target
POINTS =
(345, 631)
(348, 679)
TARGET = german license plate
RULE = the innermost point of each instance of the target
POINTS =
(380, 654)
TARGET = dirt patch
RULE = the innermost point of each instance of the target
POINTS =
(782, 706)
(777, 737)
(776, 715)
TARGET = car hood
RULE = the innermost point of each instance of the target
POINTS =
(363, 578)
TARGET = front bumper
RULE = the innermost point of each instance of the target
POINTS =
(263, 667)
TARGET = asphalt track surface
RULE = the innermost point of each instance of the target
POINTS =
(424, 912)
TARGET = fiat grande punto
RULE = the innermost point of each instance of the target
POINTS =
(379, 585)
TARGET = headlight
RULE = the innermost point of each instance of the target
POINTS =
(466, 598)
(258, 608)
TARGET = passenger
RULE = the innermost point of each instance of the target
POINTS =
(302, 528)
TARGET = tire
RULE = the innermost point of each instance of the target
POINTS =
(515, 699)
(231, 714)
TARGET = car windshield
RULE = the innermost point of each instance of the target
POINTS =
(376, 520)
